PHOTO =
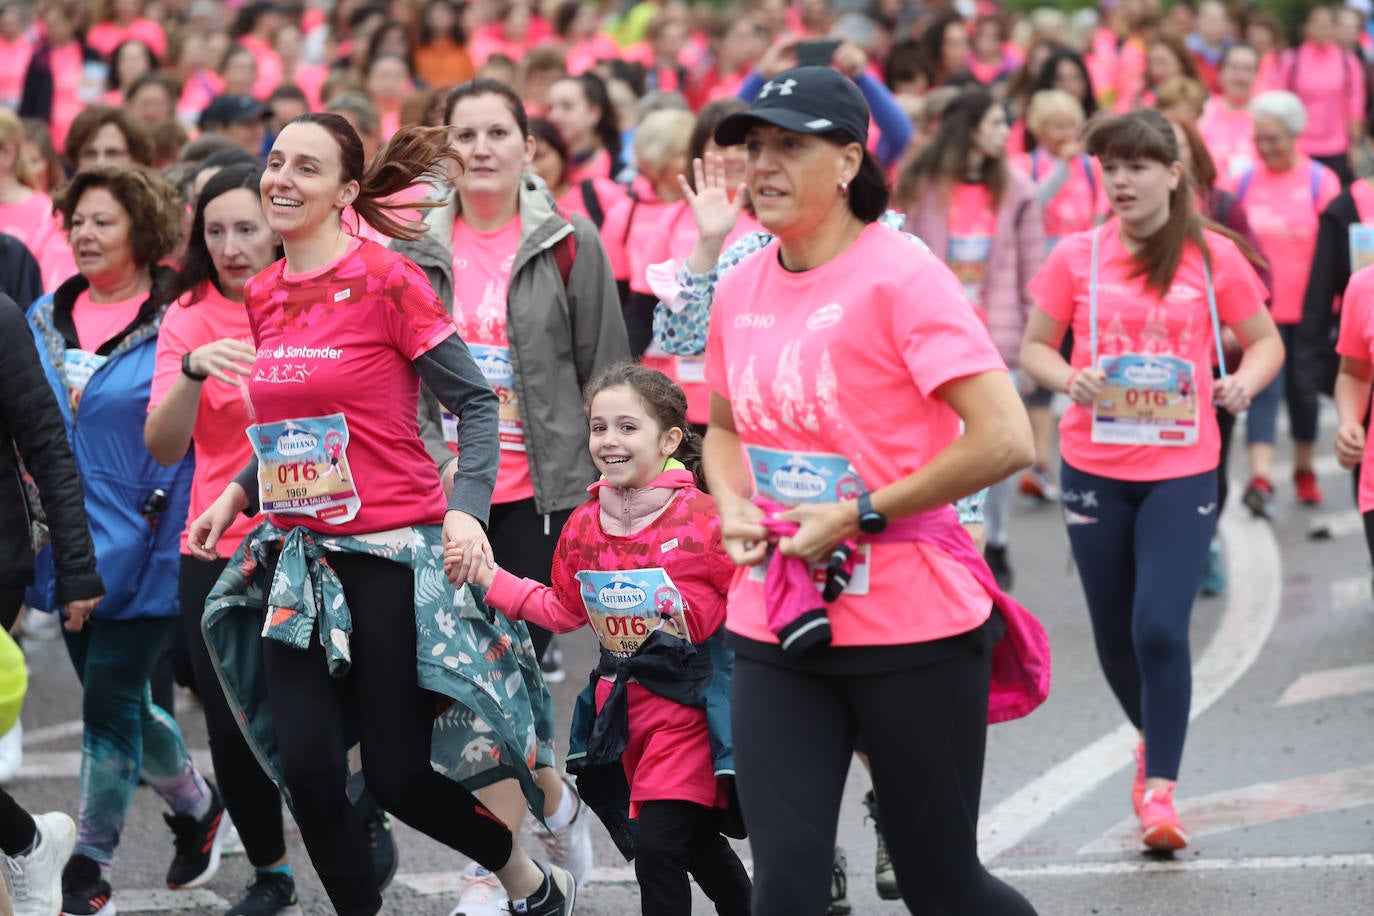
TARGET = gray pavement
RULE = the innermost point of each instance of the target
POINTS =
(1277, 785)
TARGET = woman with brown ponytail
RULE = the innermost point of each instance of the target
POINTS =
(367, 645)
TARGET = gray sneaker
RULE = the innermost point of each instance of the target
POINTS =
(884, 877)
(839, 886)
(555, 896)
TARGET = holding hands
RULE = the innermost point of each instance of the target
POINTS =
(467, 553)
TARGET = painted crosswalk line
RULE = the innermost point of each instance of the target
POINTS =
(1329, 684)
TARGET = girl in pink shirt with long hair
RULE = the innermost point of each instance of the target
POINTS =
(1146, 294)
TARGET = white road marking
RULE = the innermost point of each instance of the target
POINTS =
(1324, 465)
(1352, 592)
(449, 883)
(1252, 806)
(1140, 866)
(1252, 607)
(67, 764)
(1329, 684)
(163, 900)
(1336, 524)
(52, 732)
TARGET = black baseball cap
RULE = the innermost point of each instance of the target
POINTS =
(232, 109)
(804, 100)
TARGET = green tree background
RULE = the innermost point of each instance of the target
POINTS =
(1289, 12)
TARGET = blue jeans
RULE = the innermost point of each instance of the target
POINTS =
(1261, 421)
(1141, 550)
(125, 733)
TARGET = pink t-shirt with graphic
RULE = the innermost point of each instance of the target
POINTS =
(847, 359)
(1230, 136)
(1330, 83)
(218, 437)
(972, 226)
(97, 322)
(482, 264)
(1357, 342)
(1080, 199)
(1283, 214)
(1132, 319)
(342, 339)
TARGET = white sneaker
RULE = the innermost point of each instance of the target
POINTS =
(231, 844)
(482, 894)
(35, 880)
(571, 847)
(11, 752)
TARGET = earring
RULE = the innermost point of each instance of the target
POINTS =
(844, 187)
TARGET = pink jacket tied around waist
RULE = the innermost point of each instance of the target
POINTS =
(1021, 658)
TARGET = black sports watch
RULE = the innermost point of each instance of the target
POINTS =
(871, 521)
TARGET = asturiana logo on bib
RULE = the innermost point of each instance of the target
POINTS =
(296, 442)
(1148, 375)
(798, 480)
(621, 595)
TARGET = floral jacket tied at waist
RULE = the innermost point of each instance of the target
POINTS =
(481, 667)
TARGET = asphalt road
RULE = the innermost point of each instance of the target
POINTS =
(1277, 786)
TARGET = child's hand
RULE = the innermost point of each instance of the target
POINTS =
(460, 572)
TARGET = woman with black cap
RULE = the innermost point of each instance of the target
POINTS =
(815, 345)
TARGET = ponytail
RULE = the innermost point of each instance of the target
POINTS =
(415, 154)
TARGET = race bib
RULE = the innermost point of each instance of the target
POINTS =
(691, 369)
(303, 468)
(78, 367)
(1147, 400)
(792, 478)
(968, 258)
(1361, 246)
(858, 582)
(496, 369)
(627, 605)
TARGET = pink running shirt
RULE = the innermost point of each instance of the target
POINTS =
(1132, 319)
(1330, 83)
(1357, 342)
(342, 339)
(847, 359)
(1230, 136)
(96, 323)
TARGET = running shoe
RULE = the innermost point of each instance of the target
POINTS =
(551, 664)
(555, 896)
(35, 878)
(382, 841)
(270, 894)
(481, 894)
(571, 847)
(839, 886)
(884, 876)
(1309, 494)
(84, 891)
(1160, 829)
(11, 752)
(1214, 574)
(996, 558)
(1039, 483)
(1258, 494)
(1138, 784)
(197, 844)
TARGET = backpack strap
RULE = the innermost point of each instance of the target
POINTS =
(592, 202)
(1088, 171)
(1314, 180)
(1035, 165)
(1224, 204)
(1243, 186)
(630, 217)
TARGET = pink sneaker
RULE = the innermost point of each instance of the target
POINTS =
(1159, 824)
(1138, 784)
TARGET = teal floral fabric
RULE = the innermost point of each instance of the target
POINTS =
(493, 714)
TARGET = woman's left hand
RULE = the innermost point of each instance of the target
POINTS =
(823, 527)
(1231, 394)
(465, 533)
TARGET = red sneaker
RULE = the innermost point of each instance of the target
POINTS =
(1138, 784)
(1160, 829)
(1258, 493)
(1309, 494)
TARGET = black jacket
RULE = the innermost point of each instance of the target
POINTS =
(1314, 362)
(20, 277)
(31, 428)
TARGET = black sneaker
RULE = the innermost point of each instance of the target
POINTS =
(555, 896)
(551, 664)
(382, 842)
(197, 845)
(839, 886)
(84, 891)
(270, 894)
(996, 558)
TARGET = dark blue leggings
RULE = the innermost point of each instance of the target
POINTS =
(1141, 548)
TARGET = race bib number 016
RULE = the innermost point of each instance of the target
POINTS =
(1147, 400)
(303, 468)
(627, 605)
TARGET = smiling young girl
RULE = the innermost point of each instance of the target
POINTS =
(642, 562)
(1146, 294)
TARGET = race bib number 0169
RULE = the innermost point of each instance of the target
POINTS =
(303, 468)
(627, 605)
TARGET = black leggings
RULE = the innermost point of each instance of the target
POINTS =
(925, 729)
(250, 795)
(675, 838)
(16, 826)
(523, 542)
(394, 718)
